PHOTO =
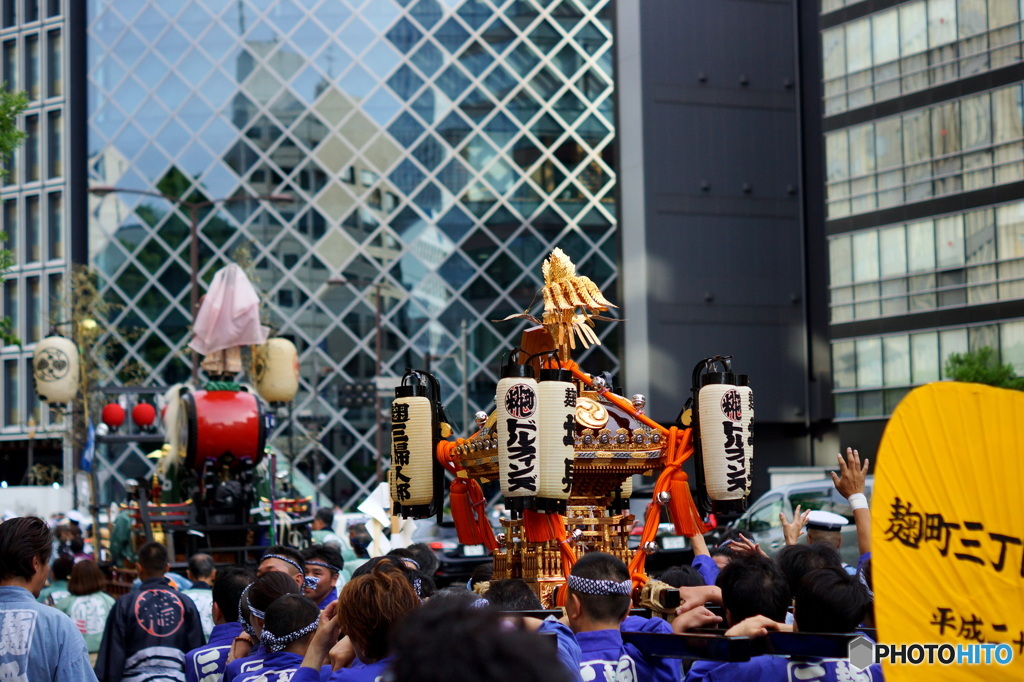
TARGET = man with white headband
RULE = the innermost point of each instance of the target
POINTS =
(289, 561)
(323, 562)
(597, 606)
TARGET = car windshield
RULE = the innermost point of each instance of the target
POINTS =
(818, 500)
(824, 499)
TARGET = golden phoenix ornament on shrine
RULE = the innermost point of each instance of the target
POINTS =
(562, 444)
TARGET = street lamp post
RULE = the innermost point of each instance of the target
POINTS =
(193, 252)
(29, 476)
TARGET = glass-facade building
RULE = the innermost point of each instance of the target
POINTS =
(435, 151)
(924, 154)
(33, 50)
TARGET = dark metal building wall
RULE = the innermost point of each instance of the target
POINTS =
(78, 180)
(726, 249)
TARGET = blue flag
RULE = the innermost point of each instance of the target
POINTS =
(90, 449)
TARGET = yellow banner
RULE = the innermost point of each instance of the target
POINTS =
(947, 532)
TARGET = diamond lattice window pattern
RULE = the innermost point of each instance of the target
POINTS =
(438, 150)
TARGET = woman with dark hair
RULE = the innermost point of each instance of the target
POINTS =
(368, 610)
(37, 642)
(88, 605)
(288, 629)
(255, 601)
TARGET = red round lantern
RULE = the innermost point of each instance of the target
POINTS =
(143, 414)
(113, 415)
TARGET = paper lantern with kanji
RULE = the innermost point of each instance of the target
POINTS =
(556, 394)
(518, 435)
(725, 412)
(413, 444)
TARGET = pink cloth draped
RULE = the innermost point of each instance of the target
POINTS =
(229, 314)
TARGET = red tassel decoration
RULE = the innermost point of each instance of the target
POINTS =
(484, 531)
(462, 513)
(537, 526)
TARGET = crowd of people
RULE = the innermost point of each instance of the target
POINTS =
(316, 615)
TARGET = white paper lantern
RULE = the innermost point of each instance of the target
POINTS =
(724, 441)
(557, 404)
(275, 370)
(518, 412)
(412, 454)
(55, 369)
(747, 419)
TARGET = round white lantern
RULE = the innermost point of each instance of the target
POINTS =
(55, 369)
(275, 370)
(169, 417)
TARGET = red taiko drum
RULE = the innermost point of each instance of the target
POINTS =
(219, 423)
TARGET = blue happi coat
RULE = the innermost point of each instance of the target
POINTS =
(280, 667)
(207, 663)
(780, 669)
(359, 672)
(245, 664)
(38, 642)
(604, 656)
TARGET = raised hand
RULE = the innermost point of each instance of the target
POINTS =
(793, 531)
(692, 597)
(747, 547)
(852, 473)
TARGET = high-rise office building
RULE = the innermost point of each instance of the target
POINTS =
(435, 152)
(720, 225)
(924, 154)
(35, 194)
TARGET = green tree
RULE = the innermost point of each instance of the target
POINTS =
(11, 104)
(982, 367)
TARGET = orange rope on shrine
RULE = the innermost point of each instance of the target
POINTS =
(446, 453)
(673, 480)
(682, 510)
(466, 497)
